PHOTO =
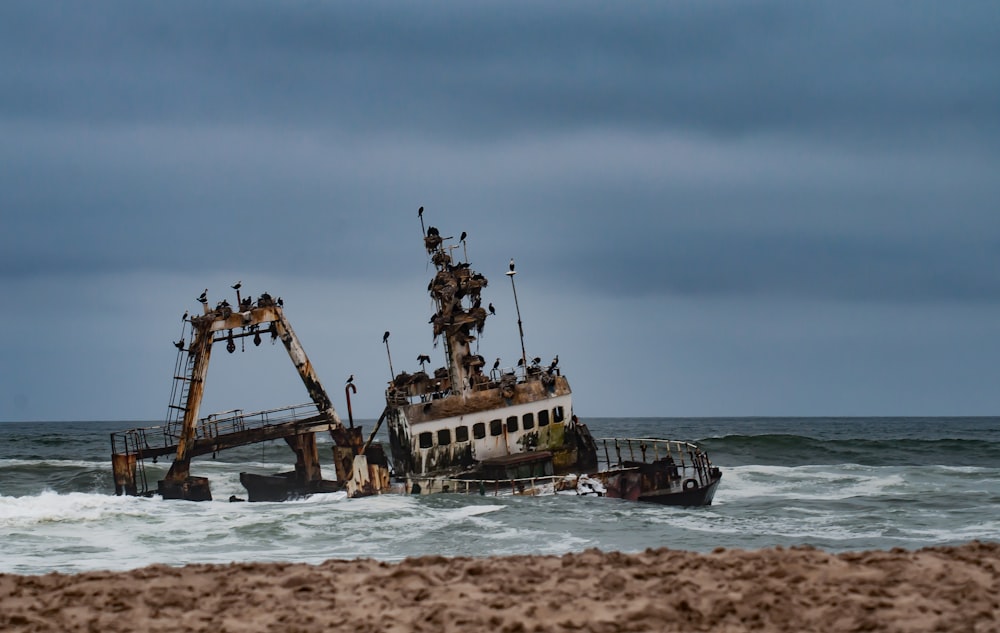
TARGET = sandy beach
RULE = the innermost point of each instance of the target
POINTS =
(798, 589)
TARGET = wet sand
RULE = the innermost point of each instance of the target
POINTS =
(798, 589)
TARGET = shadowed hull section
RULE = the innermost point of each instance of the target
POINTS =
(701, 496)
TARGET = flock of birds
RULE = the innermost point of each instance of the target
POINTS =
(203, 297)
(422, 359)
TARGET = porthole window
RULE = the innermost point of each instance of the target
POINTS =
(557, 414)
(444, 437)
(462, 434)
(479, 430)
(496, 427)
(426, 439)
(543, 418)
(512, 424)
(528, 421)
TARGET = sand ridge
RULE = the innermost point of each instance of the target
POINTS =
(778, 589)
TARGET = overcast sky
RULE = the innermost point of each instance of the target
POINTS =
(716, 208)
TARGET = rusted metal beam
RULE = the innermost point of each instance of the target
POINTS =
(304, 367)
(123, 468)
(299, 434)
(201, 348)
(307, 468)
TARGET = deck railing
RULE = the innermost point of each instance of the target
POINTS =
(622, 453)
(529, 486)
(211, 426)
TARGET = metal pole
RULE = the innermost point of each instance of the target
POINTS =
(385, 339)
(520, 327)
(347, 393)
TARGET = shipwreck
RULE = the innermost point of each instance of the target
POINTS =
(466, 426)
(360, 469)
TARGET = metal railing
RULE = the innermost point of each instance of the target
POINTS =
(211, 426)
(235, 420)
(626, 453)
(527, 486)
(495, 379)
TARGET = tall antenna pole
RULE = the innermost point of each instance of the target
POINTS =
(520, 328)
(385, 339)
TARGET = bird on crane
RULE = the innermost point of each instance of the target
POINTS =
(491, 308)
(204, 296)
(385, 337)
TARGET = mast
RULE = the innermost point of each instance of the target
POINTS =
(459, 317)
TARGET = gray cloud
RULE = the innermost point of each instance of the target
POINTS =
(716, 159)
(888, 70)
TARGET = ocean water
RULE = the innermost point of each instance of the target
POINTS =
(834, 483)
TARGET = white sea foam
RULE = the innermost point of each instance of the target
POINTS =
(52, 463)
(78, 507)
(971, 470)
(836, 506)
(829, 483)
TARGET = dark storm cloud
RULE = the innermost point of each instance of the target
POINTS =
(742, 208)
(493, 69)
(298, 138)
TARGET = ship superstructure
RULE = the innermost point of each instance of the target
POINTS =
(455, 419)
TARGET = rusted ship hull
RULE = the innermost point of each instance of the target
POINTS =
(283, 487)
(633, 486)
(696, 497)
(667, 472)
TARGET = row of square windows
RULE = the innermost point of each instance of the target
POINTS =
(527, 422)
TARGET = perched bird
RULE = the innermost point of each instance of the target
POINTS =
(350, 379)
(520, 362)
(492, 309)
(462, 238)
(204, 296)
(496, 364)
(237, 285)
(537, 360)
(185, 317)
(385, 337)
(512, 264)
(423, 359)
(281, 302)
(420, 212)
(179, 344)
